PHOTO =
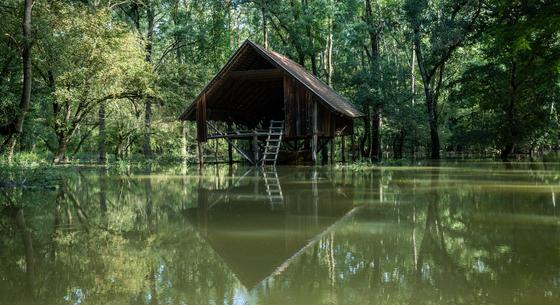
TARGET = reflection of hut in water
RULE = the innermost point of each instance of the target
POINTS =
(257, 239)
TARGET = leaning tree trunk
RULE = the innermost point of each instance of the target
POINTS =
(10, 142)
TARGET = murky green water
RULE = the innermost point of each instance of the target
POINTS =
(456, 233)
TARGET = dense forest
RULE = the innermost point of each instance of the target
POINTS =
(97, 79)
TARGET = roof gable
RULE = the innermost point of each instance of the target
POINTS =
(326, 94)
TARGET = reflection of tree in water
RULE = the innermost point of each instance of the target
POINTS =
(111, 241)
(17, 214)
(444, 236)
(443, 251)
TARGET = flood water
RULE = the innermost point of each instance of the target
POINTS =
(455, 233)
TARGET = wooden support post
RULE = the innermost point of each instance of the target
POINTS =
(216, 150)
(352, 147)
(200, 154)
(201, 128)
(230, 154)
(230, 148)
(315, 132)
(325, 152)
(342, 149)
(333, 143)
(255, 147)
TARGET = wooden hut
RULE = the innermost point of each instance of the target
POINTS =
(257, 86)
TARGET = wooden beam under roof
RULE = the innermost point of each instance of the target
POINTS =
(257, 75)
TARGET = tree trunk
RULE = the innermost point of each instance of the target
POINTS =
(431, 96)
(413, 75)
(147, 148)
(264, 28)
(102, 149)
(375, 153)
(328, 55)
(398, 144)
(314, 68)
(150, 15)
(10, 142)
(434, 133)
(60, 154)
(364, 144)
(506, 151)
(510, 117)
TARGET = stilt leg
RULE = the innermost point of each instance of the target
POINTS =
(342, 149)
(200, 154)
(255, 148)
(353, 148)
(333, 143)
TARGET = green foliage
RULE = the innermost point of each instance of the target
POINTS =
(510, 92)
(92, 53)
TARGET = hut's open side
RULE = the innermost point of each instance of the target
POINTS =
(258, 85)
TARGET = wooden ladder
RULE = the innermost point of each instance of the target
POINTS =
(273, 141)
(273, 189)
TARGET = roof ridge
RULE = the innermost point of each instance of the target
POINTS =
(313, 83)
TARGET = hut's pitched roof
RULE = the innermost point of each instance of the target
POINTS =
(326, 94)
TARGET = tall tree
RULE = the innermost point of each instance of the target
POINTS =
(11, 139)
(516, 81)
(374, 28)
(439, 28)
(86, 60)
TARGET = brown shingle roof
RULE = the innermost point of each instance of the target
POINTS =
(325, 93)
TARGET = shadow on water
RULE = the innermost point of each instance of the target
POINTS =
(439, 234)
